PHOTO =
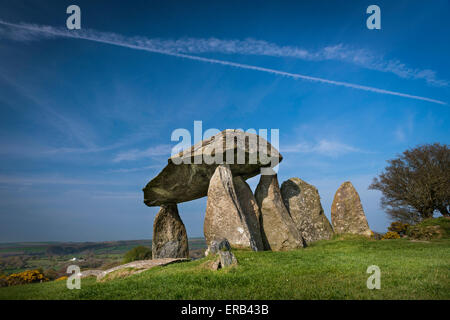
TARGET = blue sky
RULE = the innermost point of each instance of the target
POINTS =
(85, 124)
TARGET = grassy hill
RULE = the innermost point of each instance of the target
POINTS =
(334, 269)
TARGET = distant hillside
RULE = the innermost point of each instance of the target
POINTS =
(65, 248)
(16, 257)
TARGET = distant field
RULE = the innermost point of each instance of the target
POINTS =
(20, 256)
(334, 269)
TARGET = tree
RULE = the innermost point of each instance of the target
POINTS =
(416, 184)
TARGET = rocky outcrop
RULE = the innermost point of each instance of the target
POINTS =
(227, 259)
(217, 245)
(277, 227)
(347, 214)
(187, 174)
(303, 203)
(226, 217)
(169, 234)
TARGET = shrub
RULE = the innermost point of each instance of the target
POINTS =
(442, 222)
(138, 253)
(390, 235)
(425, 232)
(28, 276)
(399, 227)
(428, 229)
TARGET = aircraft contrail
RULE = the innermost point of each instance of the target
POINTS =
(142, 44)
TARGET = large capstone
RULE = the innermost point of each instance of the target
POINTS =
(303, 203)
(278, 230)
(187, 174)
(226, 217)
(347, 214)
(169, 234)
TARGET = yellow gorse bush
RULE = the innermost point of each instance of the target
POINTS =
(28, 276)
(390, 235)
(398, 227)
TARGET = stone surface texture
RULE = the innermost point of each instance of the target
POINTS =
(303, 203)
(169, 234)
(90, 273)
(187, 174)
(347, 214)
(278, 230)
(225, 217)
(137, 267)
(250, 209)
(217, 245)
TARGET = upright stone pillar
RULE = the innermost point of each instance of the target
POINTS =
(250, 208)
(169, 234)
(277, 227)
(303, 203)
(347, 214)
(226, 217)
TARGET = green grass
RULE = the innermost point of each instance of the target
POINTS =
(334, 269)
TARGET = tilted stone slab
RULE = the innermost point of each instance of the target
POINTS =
(90, 273)
(187, 174)
(303, 203)
(138, 266)
(347, 214)
(169, 234)
(278, 230)
(225, 216)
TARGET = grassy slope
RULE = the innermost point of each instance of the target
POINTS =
(442, 222)
(333, 269)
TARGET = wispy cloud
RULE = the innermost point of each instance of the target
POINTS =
(136, 154)
(322, 147)
(339, 52)
(158, 46)
(366, 59)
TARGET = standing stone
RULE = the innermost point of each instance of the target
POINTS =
(225, 217)
(303, 203)
(250, 208)
(347, 214)
(277, 227)
(169, 234)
